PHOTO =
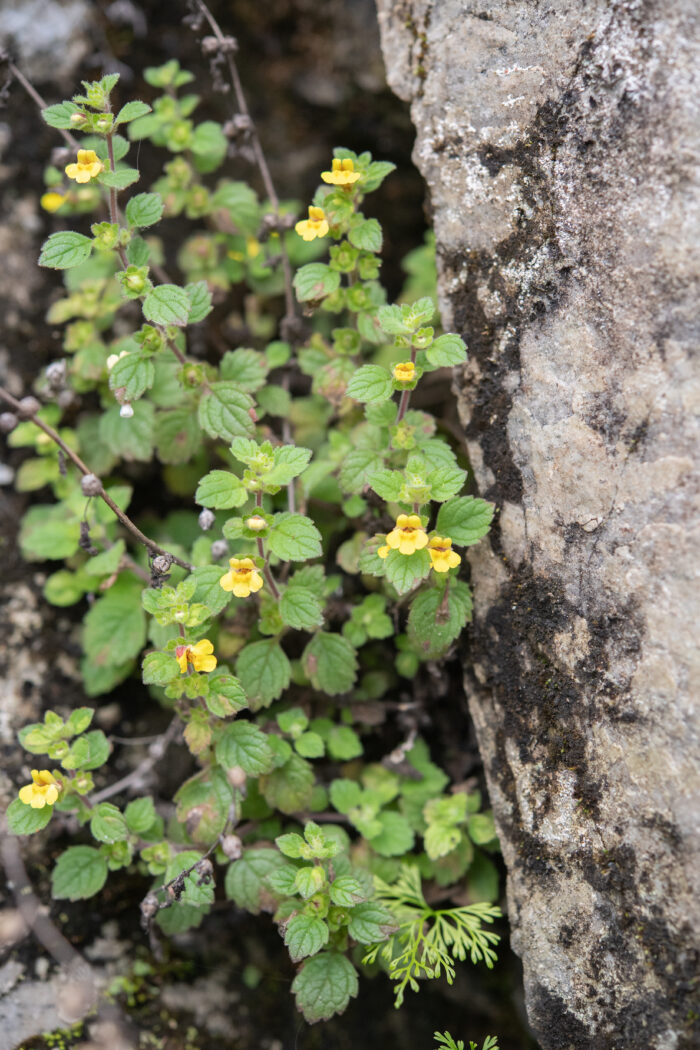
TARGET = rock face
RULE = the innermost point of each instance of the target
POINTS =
(561, 145)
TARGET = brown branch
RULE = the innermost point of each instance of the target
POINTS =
(41, 103)
(150, 545)
(156, 750)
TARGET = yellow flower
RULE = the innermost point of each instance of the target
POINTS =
(441, 554)
(88, 167)
(343, 173)
(252, 246)
(407, 537)
(404, 372)
(42, 792)
(315, 226)
(256, 522)
(199, 655)
(243, 577)
(52, 201)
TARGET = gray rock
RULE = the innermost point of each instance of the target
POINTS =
(561, 145)
(47, 38)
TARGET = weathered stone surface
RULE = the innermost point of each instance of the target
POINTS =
(561, 145)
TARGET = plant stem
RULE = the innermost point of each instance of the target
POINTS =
(113, 207)
(152, 547)
(36, 97)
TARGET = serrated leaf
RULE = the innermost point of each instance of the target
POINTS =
(305, 935)
(208, 590)
(119, 179)
(177, 435)
(209, 145)
(392, 321)
(46, 532)
(324, 986)
(446, 482)
(396, 836)
(107, 824)
(107, 562)
(59, 116)
(309, 880)
(115, 626)
(294, 537)
(370, 923)
(290, 787)
(375, 174)
(244, 879)
(264, 671)
(315, 281)
(23, 820)
(404, 571)
(144, 209)
(200, 301)
(481, 828)
(465, 520)
(159, 668)
(447, 350)
(79, 873)
(63, 250)
(224, 412)
(226, 695)
(387, 484)
(167, 304)
(246, 368)
(435, 620)
(345, 795)
(301, 608)
(243, 744)
(330, 661)
(310, 745)
(129, 439)
(357, 468)
(343, 743)
(132, 111)
(140, 815)
(282, 880)
(371, 383)
(346, 891)
(367, 235)
(220, 490)
(290, 462)
(133, 374)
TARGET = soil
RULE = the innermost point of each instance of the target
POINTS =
(314, 79)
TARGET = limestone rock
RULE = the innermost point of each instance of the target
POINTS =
(561, 146)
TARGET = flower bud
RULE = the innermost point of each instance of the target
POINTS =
(161, 564)
(126, 411)
(90, 485)
(28, 407)
(56, 374)
(236, 777)
(8, 422)
(206, 519)
(219, 549)
(256, 522)
(232, 846)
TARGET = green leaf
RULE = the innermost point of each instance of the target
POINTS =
(246, 368)
(367, 235)
(167, 304)
(344, 743)
(244, 879)
(140, 815)
(392, 320)
(200, 301)
(290, 787)
(224, 412)
(119, 179)
(371, 383)
(404, 571)
(441, 839)
(446, 350)
(129, 439)
(291, 845)
(23, 820)
(264, 671)
(132, 111)
(435, 620)
(243, 744)
(107, 562)
(315, 281)
(79, 873)
(290, 461)
(324, 986)
(396, 836)
(387, 484)
(370, 923)
(346, 891)
(310, 745)
(345, 795)
(88, 752)
(65, 249)
(115, 626)
(357, 468)
(294, 537)
(47, 532)
(220, 490)
(330, 661)
(59, 116)
(145, 209)
(481, 828)
(309, 880)
(133, 374)
(301, 608)
(465, 520)
(159, 668)
(197, 892)
(209, 591)
(240, 201)
(446, 482)
(177, 435)
(305, 935)
(79, 720)
(137, 251)
(209, 145)
(107, 824)
(375, 174)
(226, 696)
(282, 880)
